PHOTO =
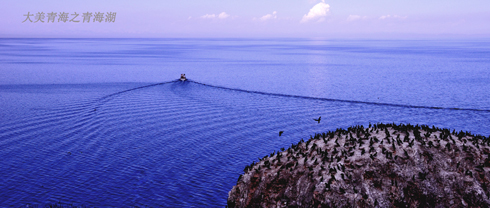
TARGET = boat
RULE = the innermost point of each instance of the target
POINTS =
(182, 77)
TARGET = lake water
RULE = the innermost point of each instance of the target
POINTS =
(103, 122)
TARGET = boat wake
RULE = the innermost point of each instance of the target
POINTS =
(176, 143)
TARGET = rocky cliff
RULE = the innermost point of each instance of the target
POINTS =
(384, 165)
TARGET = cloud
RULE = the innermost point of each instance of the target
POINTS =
(208, 16)
(269, 16)
(223, 15)
(384, 17)
(318, 12)
(352, 18)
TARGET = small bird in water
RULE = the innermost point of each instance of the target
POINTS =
(280, 133)
(319, 118)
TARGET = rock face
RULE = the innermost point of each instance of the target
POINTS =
(385, 165)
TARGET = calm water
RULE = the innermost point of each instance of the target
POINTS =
(73, 130)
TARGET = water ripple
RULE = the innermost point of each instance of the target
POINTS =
(175, 144)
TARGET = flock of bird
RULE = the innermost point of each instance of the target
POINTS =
(334, 163)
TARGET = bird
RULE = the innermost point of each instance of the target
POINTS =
(319, 118)
(280, 133)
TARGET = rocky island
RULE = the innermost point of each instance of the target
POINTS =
(383, 165)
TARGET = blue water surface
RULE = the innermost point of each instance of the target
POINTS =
(104, 123)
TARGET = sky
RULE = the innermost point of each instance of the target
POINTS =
(247, 19)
